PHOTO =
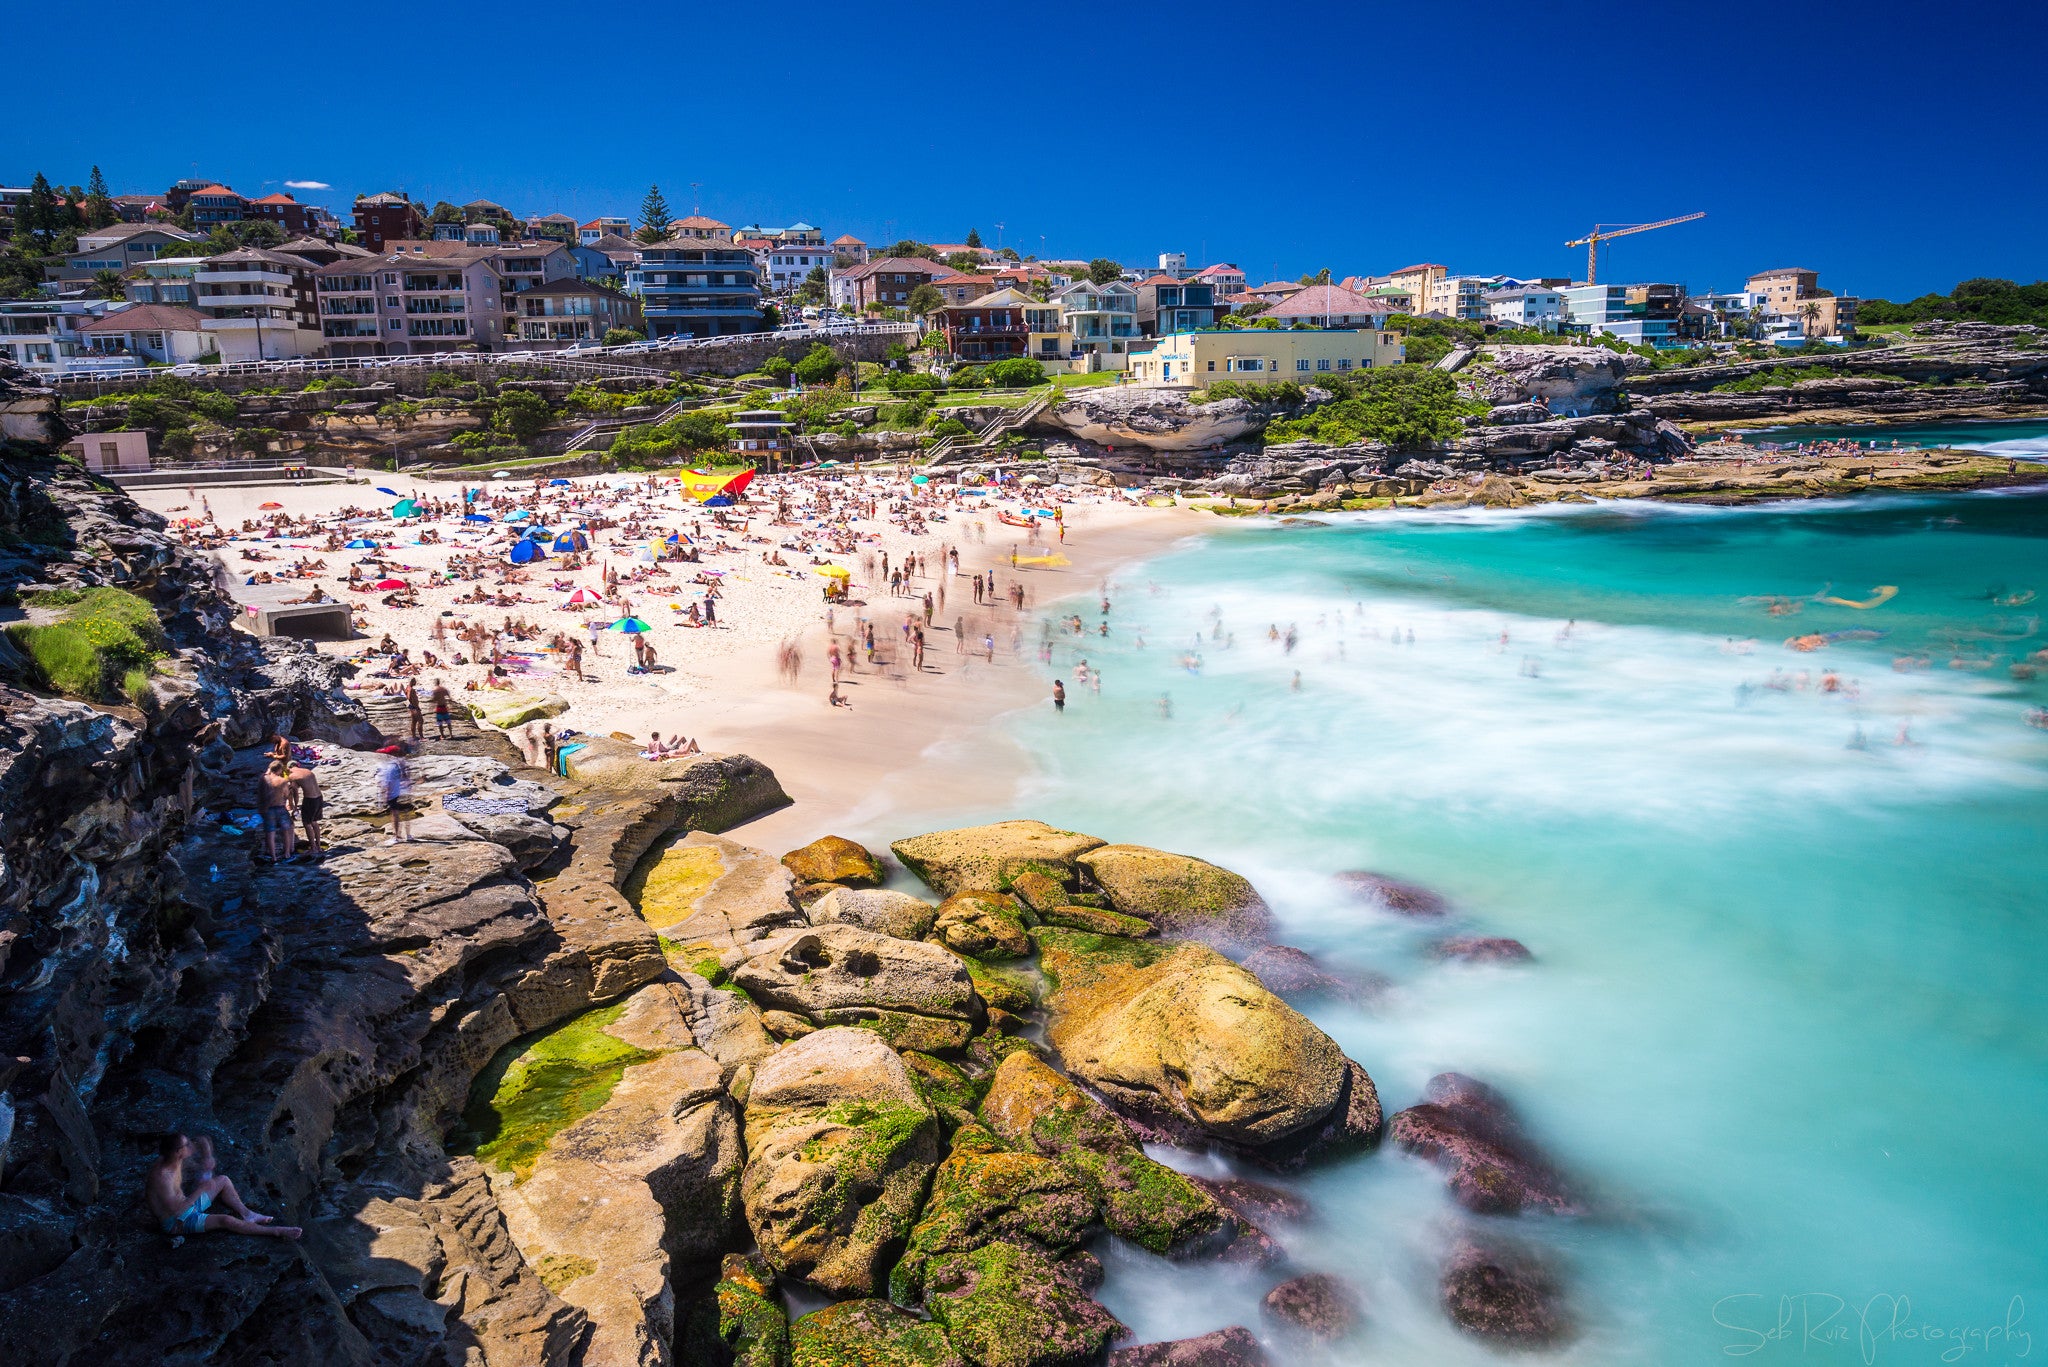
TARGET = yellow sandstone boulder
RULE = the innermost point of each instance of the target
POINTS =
(834, 859)
(1181, 895)
(993, 856)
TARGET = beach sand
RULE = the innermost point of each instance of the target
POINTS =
(904, 730)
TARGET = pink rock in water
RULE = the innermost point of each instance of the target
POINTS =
(1393, 894)
(1483, 949)
(1471, 1131)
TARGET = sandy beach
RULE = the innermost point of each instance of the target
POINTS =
(724, 686)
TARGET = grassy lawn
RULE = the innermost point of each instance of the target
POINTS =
(1086, 381)
(986, 398)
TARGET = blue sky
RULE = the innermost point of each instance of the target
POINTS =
(1895, 147)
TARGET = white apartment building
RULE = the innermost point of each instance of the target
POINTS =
(258, 305)
(1530, 306)
(786, 267)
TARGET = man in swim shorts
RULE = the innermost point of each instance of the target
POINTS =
(181, 1213)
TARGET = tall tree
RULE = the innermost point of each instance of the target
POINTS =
(973, 239)
(99, 205)
(654, 216)
(37, 218)
(1102, 270)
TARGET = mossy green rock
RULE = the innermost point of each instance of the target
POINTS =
(834, 859)
(1186, 1041)
(1181, 895)
(993, 856)
(506, 713)
(949, 1091)
(741, 1320)
(1006, 1306)
(1038, 891)
(869, 1333)
(979, 1196)
(1033, 1108)
(840, 1146)
(987, 925)
(1005, 987)
(1095, 922)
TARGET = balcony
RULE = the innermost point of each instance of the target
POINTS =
(276, 276)
(417, 306)
(348, 329)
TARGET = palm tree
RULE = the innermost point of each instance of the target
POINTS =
(1810, 312)
(106, 283)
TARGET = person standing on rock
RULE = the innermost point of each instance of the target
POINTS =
(181, 1213)
(444, 726)
(310, 806)
(273, 800)
(416, 723)
(396, 803)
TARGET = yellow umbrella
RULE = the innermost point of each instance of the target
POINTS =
(833, 571)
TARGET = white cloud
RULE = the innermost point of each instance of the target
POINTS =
(309, 185)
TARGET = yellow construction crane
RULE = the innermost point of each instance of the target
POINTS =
(1601, 232)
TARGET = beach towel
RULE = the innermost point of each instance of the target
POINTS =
(562, 754)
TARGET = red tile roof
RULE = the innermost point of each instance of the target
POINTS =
(1161, 279)
(847, 240)
(216, 190)
(1425, 266)
(279, 198)
(147, 318)
(698, 221)
(1321, 301)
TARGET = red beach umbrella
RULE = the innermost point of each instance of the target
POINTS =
(389, 584)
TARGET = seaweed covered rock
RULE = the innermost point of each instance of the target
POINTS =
(1232, 1347)
(869, 1333)
(1005, 1306)
(1490, 1165)
(1190, 1044)
(1034, 1109)
(620, 1102)
(950, 1091)
(704, 889)
(1096, 921)
(834, 859)
(987, 925)
(918, 996)
(877, 909)
(983, 1193)
(993, 856)
(1318, 1304)
(840, 1146)
(1182, 896)
(740, 1322)
(1504, 1294)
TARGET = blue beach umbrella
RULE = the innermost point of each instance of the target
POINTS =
(525, 552)
(392, 492)
(476, 517)
(362, 543)
(632, 626)
(558, 482)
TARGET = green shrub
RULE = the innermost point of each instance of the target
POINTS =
(211, 403)
(1403, 406)
(1019, 372)
(819, 365)
(105, 635)
(622, 336)
(951, 427)
(440, 381)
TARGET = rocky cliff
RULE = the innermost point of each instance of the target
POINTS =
(1939, 371)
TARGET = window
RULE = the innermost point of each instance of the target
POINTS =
(1344, 363)
(1212, 365)
(1323, 364)
(1301, 365)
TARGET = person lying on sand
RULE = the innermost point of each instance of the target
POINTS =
(181, 1213)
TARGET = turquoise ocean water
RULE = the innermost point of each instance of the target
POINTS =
(1789, 1015)
(2026, 440)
